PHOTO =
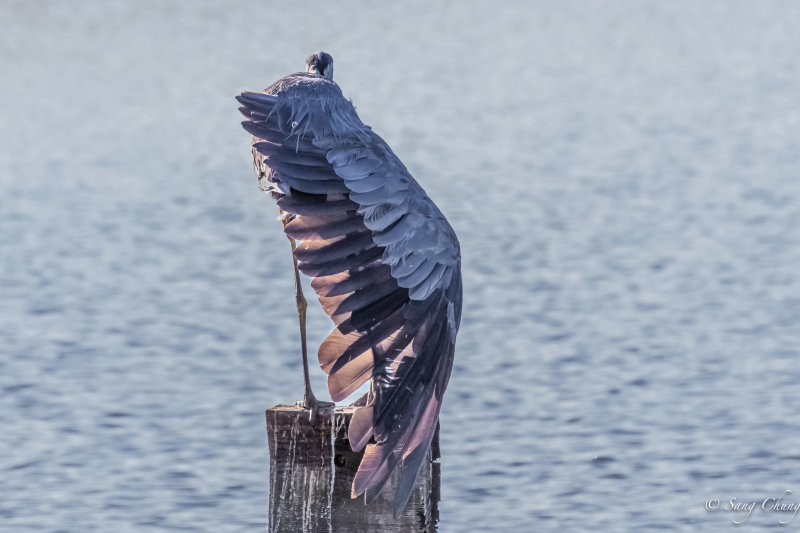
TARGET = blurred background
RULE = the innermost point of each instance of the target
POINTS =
(623, 177)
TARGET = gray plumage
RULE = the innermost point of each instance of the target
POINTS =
(385, 263)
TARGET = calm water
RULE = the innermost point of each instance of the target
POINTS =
(624, 180)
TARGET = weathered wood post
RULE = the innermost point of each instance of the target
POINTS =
(312, 470)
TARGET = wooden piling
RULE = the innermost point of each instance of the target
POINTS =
(312, 470)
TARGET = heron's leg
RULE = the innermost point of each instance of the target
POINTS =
(310, 401)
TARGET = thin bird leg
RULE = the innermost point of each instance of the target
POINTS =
(310, 401)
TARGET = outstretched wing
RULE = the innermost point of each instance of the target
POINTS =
(385, 263)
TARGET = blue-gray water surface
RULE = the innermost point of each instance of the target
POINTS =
(623, 177)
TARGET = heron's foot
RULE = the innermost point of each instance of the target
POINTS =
(314, 406)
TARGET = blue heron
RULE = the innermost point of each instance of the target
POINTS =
(385, 263)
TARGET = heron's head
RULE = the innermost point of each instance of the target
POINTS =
(320, 63)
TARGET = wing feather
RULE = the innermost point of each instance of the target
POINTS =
(327, 267)
(292, 204)
(353, 280)
(279, 153)
(320, 251)
(324, 227)
(367, 296)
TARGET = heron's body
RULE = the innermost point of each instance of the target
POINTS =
(385, 263)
